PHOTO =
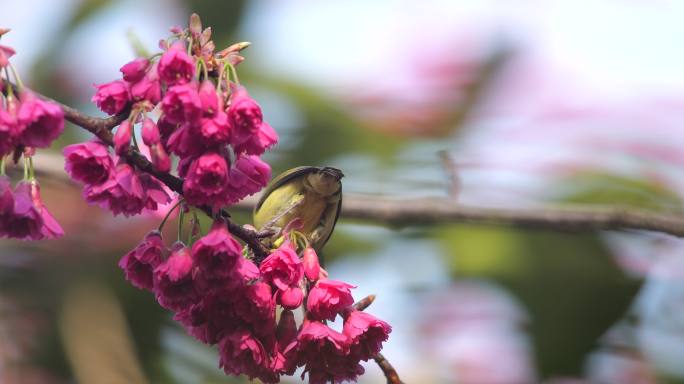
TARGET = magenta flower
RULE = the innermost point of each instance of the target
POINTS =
(312, 268)
(328, 298)
(122, 137)
(135, 70)
(160, 158)
(176, 66)
(182, 104)
(211, 104)
(147, 88)
(257, 144)
(255, 305)
(282, 268)
(324, 353)
(150, 132)
(242, 353)
(206, 180)
(156, 193)
(122, 193)
(173, 284)
(111, 97)
(217, 253)
(88, 162)
(215, 131)
(43, 121)
(26, 222)
(290, 298)
(185, 143)
(366, 334)
(244, 115)
(139, 264)
(248, 176)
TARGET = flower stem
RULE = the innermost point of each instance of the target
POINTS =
(168, 213)
(181, 216)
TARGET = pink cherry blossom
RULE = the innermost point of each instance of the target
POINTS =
(264, 138)
(176, 66)
(366, 334)
(282, 268)
(51, 228)
(328, 298)
(134, 71)
(111, 97)
(206, 180)
(181, 104)
(242, 353)
(139, 264)
(122, 137)
(312, 268)
(244, 115)
(89, 162)
(43, 121)
(173, 284)
(248, 176)
(217, 253)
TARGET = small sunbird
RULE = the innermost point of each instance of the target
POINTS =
(310, 194)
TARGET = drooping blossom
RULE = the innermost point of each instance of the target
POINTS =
(181, 104)
(10, 128)
(135, 70)
(248, 176)
(176, 66)
(328, 298)
(245, 116)
(366, 333)
(241, 353)
(123, 193)
(122, 137)
(139, 264)
(6, 202)
(217, 253)
(265, 138)
(26, 222)
(206, 180)
(282, 267)
(111, 97)
(173, 284)
(89, 162)
(43, 121)
(323, 352)
(147, 88)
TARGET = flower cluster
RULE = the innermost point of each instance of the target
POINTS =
(223, 298)
(26, 123)
(210, 122)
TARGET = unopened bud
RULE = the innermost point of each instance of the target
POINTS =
(291, 298)
(122, 137)
(312, 268)
(150, 132)
(287, 327)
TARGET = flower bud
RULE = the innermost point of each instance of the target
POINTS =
(150, 132)
(134, 71)
(291, 298)
(160, 159)
(312, 268)
(122, 137)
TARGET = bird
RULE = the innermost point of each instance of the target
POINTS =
(313, 195)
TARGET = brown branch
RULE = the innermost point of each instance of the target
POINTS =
(399, 212)
(387, 368)
(101, 128)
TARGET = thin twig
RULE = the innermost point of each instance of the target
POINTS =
(387, 368)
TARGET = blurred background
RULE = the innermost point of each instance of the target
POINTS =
(523, 103)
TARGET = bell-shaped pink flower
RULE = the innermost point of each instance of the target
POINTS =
(122, 137)
(206, 180)
(176, 66)
(215, 130)
(328, 298)
(26, 221)
(312, 268)
(123, 193)
(265, 138)
(156, 193)
(323, 351)
(366, 334)
(217, 253)
(173, 284)
(244, 115)
(139, 264)
(181, 104)
(147, 88)
(43, 121)
(248, 176)
(185, 142)
(160, 159)
(282, 268)
(209, 99)
(111, 97)
(89, 162)
(241, 353)
(135, 70)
